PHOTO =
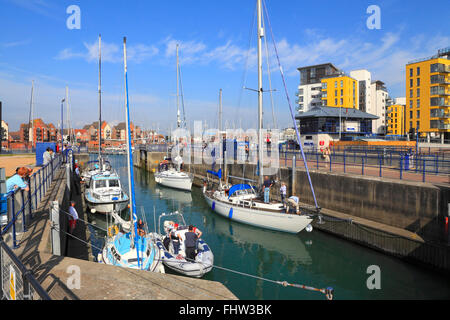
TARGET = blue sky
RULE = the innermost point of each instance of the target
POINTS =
(217, 50)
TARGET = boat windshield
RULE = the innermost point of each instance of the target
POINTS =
(114, 183)
(100, 184)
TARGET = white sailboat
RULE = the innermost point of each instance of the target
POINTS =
(134, 249)
(241, 202)
(103, 192)
(172, 176)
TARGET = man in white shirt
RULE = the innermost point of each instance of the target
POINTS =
(73, 217)
(48, 155)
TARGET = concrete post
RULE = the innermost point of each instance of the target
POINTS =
(442, 138)
(55, 233)
(68, 175)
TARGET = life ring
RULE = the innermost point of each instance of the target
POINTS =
(112, 229)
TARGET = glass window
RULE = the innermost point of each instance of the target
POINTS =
(418, 71)
(418, 103)
(411, 82)
(418, 125)
(410, 114)
(411, 72)
(418, 92)
(342, 92)
(100, 184)
(418, 82)
(342, 101)
(410, 93)
(342, 83)
(114, 183)
(418, 113)
(324, 85)
(335, 84)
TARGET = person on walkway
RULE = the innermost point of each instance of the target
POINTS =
(190, 243)
(73, 217)
(18, 180)
(47, 156)
(267, 184)
(283, 193)
(326, 154)
(77, 179)
(293, 202)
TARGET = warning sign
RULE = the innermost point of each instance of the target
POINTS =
(12, 283)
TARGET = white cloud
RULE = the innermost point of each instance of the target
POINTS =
(111, 52)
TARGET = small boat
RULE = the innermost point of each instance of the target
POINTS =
(136, 248)
(173, 178)
(204, 259)
(170, 175)
(105, 193)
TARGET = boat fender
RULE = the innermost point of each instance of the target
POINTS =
(112, 231)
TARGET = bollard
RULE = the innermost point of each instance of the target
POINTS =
(55, 233)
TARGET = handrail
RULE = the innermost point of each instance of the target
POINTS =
(28, 280)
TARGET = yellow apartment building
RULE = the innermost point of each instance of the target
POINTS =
(395, 120)
(340, 91)
(428, 96)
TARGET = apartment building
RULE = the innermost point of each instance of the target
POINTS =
(428, 96)
(340, 91)
(395, 117)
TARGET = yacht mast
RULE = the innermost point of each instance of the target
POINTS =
(260, 93)
(99, 132)
(178, 95)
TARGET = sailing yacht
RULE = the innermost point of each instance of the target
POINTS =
(241, 202)
(133, 249)
(172, 176)
(103, 192)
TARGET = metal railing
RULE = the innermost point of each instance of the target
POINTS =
(17, 282)
(393, 164)
(21, 203)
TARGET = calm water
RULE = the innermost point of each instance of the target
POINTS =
(314, 259)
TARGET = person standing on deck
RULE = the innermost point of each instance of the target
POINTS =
(267, 184)
(283, 193)
(190, 243)
(47, 156)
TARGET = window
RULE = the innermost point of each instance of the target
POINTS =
(411, 104)
(411, 82)
(418, 125)
(335, 102)
(410, 93)
(342, 92)
(100, 184)
(114, 183)
(418, 71)
(418, 114)
(410, 124)
(418, 103)
(342, 83)
(324, 85)
(325, 102)
(335, 93)
(342, 101)
(411, 114)
(418, 82)
(300, 92)
(335, 84)
(411, 72)
(418, 92)
(325, 94)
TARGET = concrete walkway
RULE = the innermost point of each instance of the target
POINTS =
(58, 275)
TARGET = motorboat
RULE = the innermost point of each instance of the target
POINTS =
(177, 261)
(105, 193)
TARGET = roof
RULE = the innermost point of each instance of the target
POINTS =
(319, 65)
(334, 112)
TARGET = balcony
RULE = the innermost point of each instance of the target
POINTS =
(439, 79)
(439, 102)
(439, 68)
(439, 91)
